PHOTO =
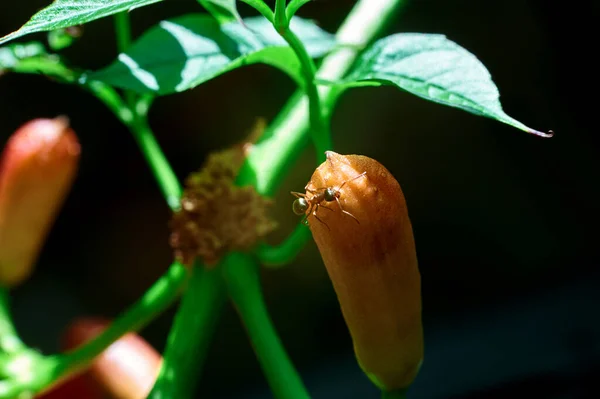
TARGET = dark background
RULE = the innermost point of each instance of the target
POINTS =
(504, 221)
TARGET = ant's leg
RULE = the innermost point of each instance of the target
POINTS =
(354, 178)
(346, 212)
(298, 195)
(319, 219)
(326, 207)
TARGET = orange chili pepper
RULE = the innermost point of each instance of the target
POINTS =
(366, 241)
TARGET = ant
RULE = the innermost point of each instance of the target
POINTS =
(304, 203)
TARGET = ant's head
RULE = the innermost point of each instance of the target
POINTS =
(331, 194)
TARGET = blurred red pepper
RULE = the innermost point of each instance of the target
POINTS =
(37, 169)
(125, 370)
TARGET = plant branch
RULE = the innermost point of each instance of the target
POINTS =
(162, 293)
(285, 252)
(262, 8)
(123, 31)
(243, 283)
(190, 334)
(286, 137)
(293, 7)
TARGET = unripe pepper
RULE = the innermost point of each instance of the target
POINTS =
(37, 169)
(366, 242)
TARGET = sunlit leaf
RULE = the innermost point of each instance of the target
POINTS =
(184, 52)
(437, 69)
(65, 13)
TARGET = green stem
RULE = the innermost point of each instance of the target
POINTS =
(123, 31)
(286, 251)
(242, 280)
(190, 335)
(262, 8)
(280, 21)
(393, 394)
(162, 293)
(166, 178)
(319, 126)
(138, 125)
(9, 339)
(286, 137)
(44, 371)
(293, 7)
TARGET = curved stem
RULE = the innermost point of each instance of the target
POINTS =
(243, 283)
(262, 8)
(162, 293)
(319, 126)
(286, 251)
(293, 7)
(286, 137)
(190, 335)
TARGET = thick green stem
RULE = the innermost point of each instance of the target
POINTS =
(191, 334)
(243, 283)
(123, 31)
(280, 21)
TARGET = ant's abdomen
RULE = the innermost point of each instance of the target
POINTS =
(372, 265)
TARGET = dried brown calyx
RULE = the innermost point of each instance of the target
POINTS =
(216, 216)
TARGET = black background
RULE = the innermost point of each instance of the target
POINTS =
(504, 221)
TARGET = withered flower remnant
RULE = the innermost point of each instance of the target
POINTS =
(216, 216)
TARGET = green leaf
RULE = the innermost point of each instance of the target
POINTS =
(182, 53)
(223, 10)
(436, 69)
(65, 13)
(10, 56)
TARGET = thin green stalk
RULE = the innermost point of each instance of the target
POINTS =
(286, 137)
(9, 339)
(393, 394)
(190, 335)
(166, 178)
(285, 252)
(262, 8)
(320, 133)
(138, 125)
(162, 293)
(319, 126)
(293, 7)
(123, 36)
(123, 31)
(242, 279)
